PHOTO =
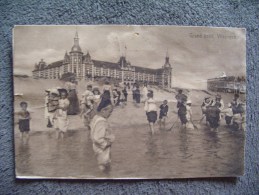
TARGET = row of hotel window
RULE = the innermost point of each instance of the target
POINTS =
(54, 72)
(139, 76)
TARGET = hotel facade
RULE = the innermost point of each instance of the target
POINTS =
(84, 67)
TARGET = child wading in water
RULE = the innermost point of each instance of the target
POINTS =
(86, 105)
(207, 102)
(24, 121)
(101, 134)
(228, 114)
(182, 111)
(185, 114)
(189, 124)
(52, 105)
(163, 113)
(151, 111)
(60, 118)
(213, 116)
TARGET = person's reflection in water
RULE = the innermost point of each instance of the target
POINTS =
(23, 159)
(214, 140)
(211, 146)
(183, 147)
(152, 150)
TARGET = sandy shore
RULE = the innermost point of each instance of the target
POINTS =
(123, 117)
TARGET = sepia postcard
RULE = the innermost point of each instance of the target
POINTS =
(129, 101)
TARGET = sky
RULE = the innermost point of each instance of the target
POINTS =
(196, 53)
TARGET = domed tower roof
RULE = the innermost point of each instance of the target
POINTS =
(122, 61)
(167, 63)
(36, 66)
(42, 64)
(66, 57)
(76, 47)
(87, 57)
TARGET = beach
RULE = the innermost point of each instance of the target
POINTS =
(178, 153)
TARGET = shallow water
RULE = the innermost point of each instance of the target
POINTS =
(135, 154)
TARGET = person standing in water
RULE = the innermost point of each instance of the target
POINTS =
(207, 102)
(189, 124)
(145, 92)
(137, 96)
(163, 113)
(228, 114)
(182, 113)
(151, 111)
(213, 116)
(238, 112)
(125, 93)
(86, 104)
(96, 94)
(24, 121)
(60, 119)
(70, 86)
(108, 90)
(101, 135)
(134, 87)
(46, 112)
(181, 98)
(52, 106)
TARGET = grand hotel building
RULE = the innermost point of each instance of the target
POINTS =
(84, 67)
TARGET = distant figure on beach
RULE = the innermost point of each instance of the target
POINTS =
(120, 95)
(137, 95)
(128, 86)
(60, 118)
(101, 135)
(73, 108)
(144, 92)
(151, 111)
(134, 87)
(116, 96)
(163, 113)
(24, 121)
(107, 89)
(125, 93)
